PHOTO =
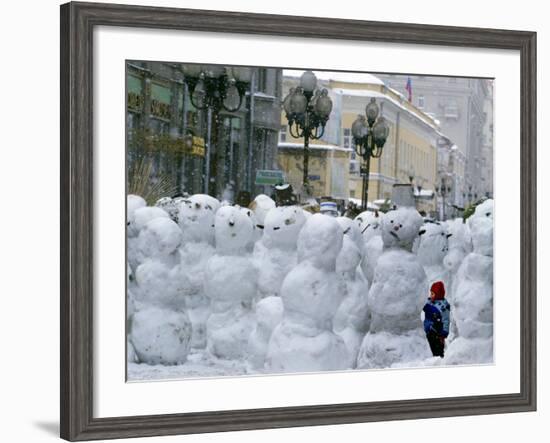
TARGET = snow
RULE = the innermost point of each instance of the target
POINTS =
(433, 247)
(326, 147)
(348, 77)
(210, 293)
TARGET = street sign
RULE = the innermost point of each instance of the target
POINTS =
(314, 177)
(269, 177)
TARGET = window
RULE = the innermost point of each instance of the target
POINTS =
(347, 141)
(282, 134)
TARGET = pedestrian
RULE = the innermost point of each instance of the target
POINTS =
(437, 317)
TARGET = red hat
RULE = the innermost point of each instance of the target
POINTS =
(439, 290)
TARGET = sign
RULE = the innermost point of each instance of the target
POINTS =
(314, 177)
(268, 177)
(198, 147)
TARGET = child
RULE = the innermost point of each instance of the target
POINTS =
(437, 319)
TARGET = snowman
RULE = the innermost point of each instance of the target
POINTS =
(460, 245)
(230, 283)
(196, 220)
(472, 302)
(133, 202)
(369, 226)
(351, 319)
(275, 254)
(396, 296)
(141, 216)
(157, 277)
(433, 246)
(160, 330)
(311, 293)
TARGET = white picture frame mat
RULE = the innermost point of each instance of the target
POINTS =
(114, 397)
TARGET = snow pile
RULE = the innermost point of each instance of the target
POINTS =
(311, 294)
(396, 297)
(473, 295)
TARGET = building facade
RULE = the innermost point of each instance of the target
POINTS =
(411, 147)
(463, 109)
(228, 147)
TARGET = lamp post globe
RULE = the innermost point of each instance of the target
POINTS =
(308, 81)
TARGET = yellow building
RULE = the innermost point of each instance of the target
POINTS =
(410, 150)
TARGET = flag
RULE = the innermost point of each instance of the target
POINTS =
(409, 89)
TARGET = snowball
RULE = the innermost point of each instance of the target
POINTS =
(296, 348)
(161, 336)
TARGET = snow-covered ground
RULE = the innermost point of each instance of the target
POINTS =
(218, 290)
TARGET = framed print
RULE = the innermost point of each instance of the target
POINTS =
(273, 221)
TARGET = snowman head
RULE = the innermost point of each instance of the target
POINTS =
(133, 202)
(170, 206)
(368, 223)
(159, 238)
(233, 229)
(196, 218)
(351, 253)
(282, 226)
(142, 216)
(481, 228)
(400, 227)
(261, 205)
(433, 244)
(320, 241)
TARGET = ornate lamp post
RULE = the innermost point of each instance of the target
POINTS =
(307, 110)
(213, 86)
(369, 134)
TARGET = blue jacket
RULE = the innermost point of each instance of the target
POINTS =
(437, 317)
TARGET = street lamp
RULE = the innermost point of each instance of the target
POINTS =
(443, 190)
(214, 86)
(307, 110)
(370, 133)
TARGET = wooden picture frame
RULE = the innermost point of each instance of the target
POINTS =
(77, 23)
